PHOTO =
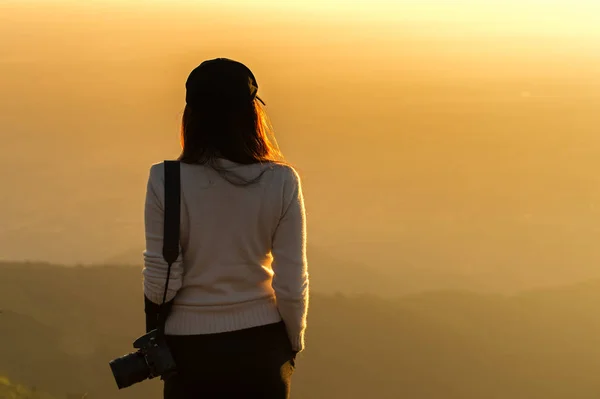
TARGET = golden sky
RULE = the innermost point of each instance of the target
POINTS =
(463, 132)
(502, 17)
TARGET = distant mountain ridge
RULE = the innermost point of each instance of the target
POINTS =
(330, 274)
(60, 326)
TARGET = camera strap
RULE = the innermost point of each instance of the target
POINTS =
(171, 231)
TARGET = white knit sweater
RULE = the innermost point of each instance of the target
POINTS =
(242, 262)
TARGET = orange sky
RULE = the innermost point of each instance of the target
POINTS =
(463, 134)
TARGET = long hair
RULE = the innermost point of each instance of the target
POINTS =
(239, 132)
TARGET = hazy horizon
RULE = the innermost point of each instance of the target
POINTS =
(453, 138)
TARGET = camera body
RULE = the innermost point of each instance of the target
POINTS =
(152, 359)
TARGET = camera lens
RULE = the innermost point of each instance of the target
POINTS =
(129, 369)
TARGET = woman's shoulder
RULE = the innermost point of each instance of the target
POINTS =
(157, 171)
(284, 170)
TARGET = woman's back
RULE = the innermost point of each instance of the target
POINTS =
(229, 237)
(227, 232)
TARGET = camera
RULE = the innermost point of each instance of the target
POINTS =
(152, 359)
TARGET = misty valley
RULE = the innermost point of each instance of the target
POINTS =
(61, 325)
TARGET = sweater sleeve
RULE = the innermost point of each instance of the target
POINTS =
(155, 267)
(290, 279)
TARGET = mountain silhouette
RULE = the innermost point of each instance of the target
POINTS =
(330, 274)
(61, 325)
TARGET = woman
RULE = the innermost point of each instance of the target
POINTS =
(238, 292)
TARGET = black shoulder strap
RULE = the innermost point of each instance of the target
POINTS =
(172, 211)
(171, 229)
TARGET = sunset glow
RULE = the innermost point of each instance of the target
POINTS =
(448, 152)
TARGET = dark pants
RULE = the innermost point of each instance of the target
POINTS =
(252, 363)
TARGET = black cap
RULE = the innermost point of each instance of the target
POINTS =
(221, 79)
